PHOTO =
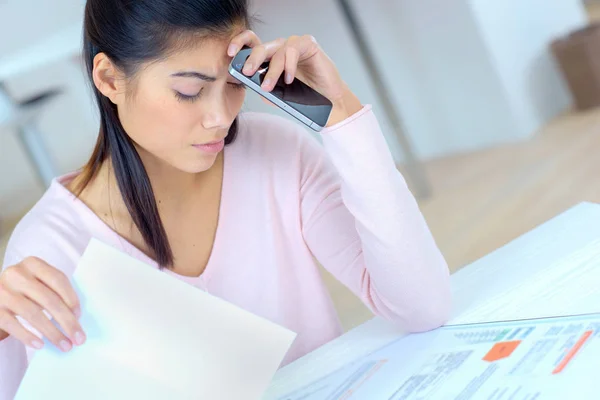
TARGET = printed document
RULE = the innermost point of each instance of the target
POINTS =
(551, 358)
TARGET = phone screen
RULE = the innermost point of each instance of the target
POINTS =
(297, 95)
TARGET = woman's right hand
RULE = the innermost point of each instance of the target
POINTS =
(27, 290)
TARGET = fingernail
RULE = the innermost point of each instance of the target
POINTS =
(267, 82)
(36, 344)
(79, 338)
(232, 50)
(65, 346)
(248, 68)
(288, 78)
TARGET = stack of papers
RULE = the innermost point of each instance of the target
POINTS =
(552, 358)
(577, 274)
(151, 336)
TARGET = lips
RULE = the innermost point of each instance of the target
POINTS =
(211, 147)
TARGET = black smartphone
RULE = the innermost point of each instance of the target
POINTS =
(297, 99)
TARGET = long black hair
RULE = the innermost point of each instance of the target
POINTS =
(132, 33)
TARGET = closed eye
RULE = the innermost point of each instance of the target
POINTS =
(189, 98)
(237, 85)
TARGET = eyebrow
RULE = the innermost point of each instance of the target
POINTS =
(193, 74)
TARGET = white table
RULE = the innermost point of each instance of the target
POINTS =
(552, 270)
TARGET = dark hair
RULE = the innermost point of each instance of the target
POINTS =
(132, 33)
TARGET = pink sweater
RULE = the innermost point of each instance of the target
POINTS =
(286, 201)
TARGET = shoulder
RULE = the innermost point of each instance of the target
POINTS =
(268, 126)
(277, 138)
(53, 230)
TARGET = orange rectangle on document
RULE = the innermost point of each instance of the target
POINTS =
(501, 350)
(573, 352)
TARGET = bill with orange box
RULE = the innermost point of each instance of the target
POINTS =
(550, 358)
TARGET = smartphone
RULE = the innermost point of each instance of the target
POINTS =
(297, 99)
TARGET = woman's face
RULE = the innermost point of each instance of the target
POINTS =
(180, 109)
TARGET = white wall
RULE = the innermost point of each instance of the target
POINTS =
(471, 74)
(69, 124)
(399, 56)
(518, 34)
(458, 88)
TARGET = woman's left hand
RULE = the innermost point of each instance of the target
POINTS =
(298, 57)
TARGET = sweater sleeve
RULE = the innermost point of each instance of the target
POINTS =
(13, 363)
(363, 225)
(13, 354)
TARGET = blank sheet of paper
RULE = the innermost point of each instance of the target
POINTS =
(151, 336)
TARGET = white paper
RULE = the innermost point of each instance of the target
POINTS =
(151, 336)
(552, 358)
(575, 276)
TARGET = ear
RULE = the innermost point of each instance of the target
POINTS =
(108, 79)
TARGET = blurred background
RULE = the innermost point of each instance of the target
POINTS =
(489, 107)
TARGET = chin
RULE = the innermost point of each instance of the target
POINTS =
(199, 165)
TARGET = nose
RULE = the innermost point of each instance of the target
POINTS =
(218, 115)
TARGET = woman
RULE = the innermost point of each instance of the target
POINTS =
(244, 223)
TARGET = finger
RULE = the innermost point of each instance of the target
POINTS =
(304, 46)
(34, 315)
(50, 301)
(260, 54)
(292, 56)
(276, 67)
(10, 325)
(56, 280)
(246, 38)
